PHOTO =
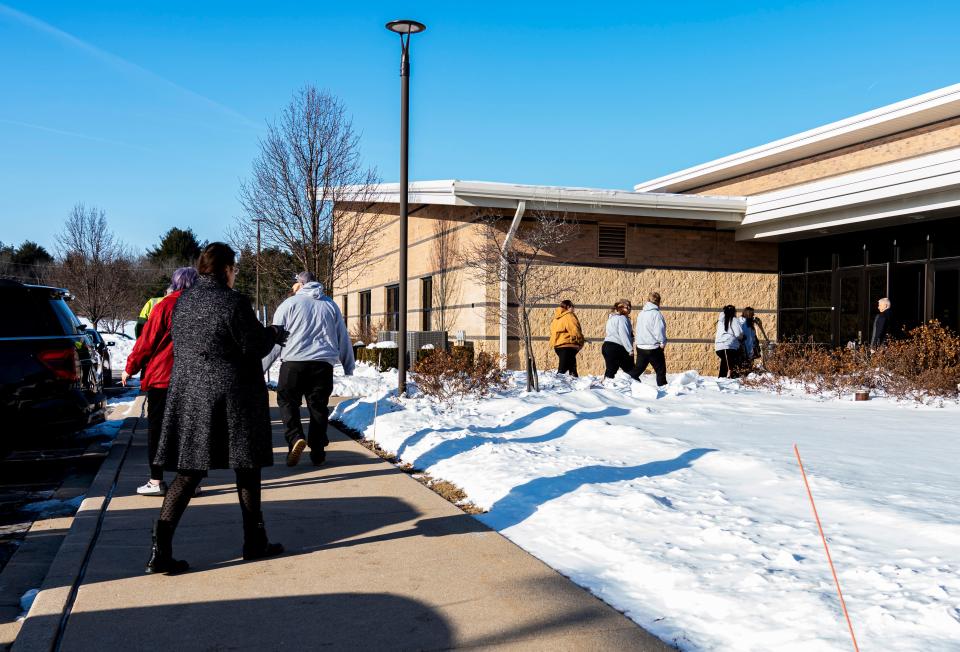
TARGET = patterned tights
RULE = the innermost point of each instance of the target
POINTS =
(184, 486)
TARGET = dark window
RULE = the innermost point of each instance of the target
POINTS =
(426, 302)
(945, 237)
(819, 325)
(851, 253)
(346, 307)
(819, 290)
(793, 258)
(820, 258)
(790, 326)
(912, 247)
(880, 249)
(792, 290)
(365, 310)
(393, 307)
(612, 241)
(31, 313)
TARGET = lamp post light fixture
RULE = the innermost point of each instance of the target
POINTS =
(405, 28)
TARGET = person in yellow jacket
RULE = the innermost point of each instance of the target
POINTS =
(566, 338)
(145, 313)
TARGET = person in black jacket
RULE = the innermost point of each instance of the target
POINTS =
(882, 324)
(217, 410)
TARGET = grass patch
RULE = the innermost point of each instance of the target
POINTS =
(446, 490)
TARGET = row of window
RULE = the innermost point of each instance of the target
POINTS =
(391, 301)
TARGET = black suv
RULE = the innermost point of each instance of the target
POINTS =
(50, 374)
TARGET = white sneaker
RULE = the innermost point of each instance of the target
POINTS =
(151, 489)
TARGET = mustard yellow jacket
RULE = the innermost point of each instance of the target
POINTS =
(565, 330)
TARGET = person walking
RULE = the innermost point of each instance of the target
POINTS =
(727, 342)
(651, 338)
(145, 315)
(153, 355)
(617, 349)
(217, 411)
(882, 324)
(751, 346)
(566, 338)
(318, 340)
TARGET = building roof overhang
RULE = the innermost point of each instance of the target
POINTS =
(917, 188)
(915, 112)
(485, 194)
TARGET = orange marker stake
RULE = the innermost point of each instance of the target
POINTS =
(827, 548)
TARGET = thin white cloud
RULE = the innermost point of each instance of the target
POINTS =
(118, 63)
(73, 134)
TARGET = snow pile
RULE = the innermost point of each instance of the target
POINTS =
(685, 507)
(383, 345)
(53, 507)
(26, 601)
(119, 352)
(365, 381)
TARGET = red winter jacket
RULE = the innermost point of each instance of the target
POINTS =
(153, 352)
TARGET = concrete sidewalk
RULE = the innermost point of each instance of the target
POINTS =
(374, 561)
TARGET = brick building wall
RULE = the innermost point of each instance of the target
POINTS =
(696, 268)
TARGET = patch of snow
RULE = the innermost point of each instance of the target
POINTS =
(427, 347)
(53, 507)
(26, 602)
(383, 345)
(684, 507)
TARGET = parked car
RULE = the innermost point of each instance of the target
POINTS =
(101, 346)
(50, 373)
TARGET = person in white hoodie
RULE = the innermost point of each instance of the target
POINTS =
(318, 340)
(617, 350)
(728, 341)
(651, 338)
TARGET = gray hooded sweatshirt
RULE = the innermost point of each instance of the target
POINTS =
(317, 330)
(651, 330)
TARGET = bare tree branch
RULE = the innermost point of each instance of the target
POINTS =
(446, 286)
(539, 241)
(310, 191)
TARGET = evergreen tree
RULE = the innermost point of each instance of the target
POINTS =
(178, 247)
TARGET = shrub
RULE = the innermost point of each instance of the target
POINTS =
(447, 376)
(382, 359)
(925, 364)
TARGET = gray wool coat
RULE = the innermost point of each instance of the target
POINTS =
(217, 413)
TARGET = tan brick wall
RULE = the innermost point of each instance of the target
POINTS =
(692, 295)
(916, 142)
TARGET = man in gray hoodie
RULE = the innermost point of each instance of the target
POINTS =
(651, 338)
(317, 341)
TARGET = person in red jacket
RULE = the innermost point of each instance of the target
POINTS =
(153, 355)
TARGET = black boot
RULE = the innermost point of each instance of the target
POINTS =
(161, 555)
(255, 543)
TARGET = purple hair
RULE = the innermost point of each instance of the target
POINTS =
(183, 278)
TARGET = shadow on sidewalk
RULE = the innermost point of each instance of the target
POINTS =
(336, 621)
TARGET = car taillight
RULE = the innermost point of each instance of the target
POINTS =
(64, 363)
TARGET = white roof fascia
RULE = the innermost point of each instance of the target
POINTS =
(928, 173)
(587, 200)
(914, 112)
(884, 193)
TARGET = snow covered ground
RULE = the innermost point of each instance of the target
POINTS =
(687, 510)
(365, 381)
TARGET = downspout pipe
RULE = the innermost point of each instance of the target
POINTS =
(504, 271)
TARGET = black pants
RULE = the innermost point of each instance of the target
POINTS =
(567, 356)
(654, 358)
(156, 405)
(616, 357)
(313, 380)
(730, 361)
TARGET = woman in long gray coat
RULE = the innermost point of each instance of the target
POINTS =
(217, 414)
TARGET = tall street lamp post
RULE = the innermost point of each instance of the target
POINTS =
(405, 28)
(258, 220)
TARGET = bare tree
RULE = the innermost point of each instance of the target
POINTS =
(310, 192)
(95, 267)
(446, 286)
(525, 267)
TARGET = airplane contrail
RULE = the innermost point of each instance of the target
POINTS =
(74, 134)
(117, 62)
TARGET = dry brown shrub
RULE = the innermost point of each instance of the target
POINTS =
(923, 365)
(361, 332)
(446, 376)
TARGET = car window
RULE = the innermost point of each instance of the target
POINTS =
(28, 314)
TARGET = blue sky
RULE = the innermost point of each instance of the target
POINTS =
(152, 110)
